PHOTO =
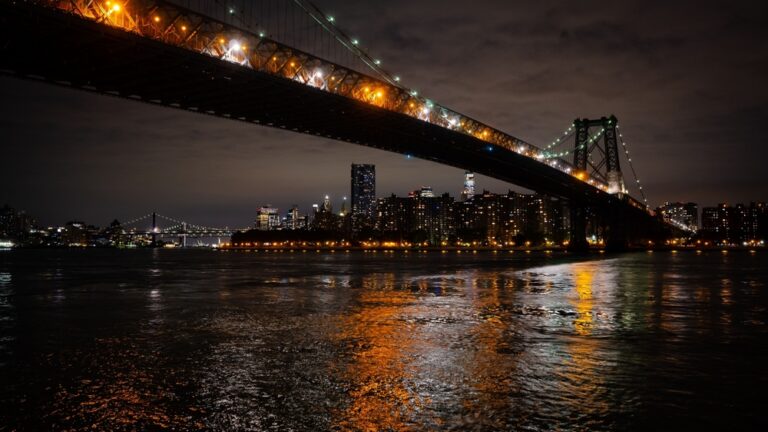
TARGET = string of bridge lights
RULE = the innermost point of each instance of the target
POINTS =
(632, 167)
(562, 137)
(190, 225)
(591, 139)
(331, 20)
(133, 221)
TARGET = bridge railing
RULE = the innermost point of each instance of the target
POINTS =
(178, 26)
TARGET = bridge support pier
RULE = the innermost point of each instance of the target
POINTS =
(616, 232)
(578, 240)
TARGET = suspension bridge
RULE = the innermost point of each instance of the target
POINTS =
(157, 226)
(286, 64)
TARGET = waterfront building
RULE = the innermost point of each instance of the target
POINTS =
(393, 214)
(735, 225)
(15, 225)
(757, 227)
(418, 217)
(433, 217)
(503, 219)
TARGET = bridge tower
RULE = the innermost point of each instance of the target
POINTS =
(596, 160)
(154, 229)
(183, 236)
(596, 155)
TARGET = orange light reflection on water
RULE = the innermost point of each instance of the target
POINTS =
(382, 343)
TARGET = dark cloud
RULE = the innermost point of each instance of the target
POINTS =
(686, 79)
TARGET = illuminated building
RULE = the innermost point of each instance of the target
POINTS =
(416, 218)
(757, 227)
(735, 225)
(394, 214)
(511, 218)
(324, 219)
(294, 220)
(327, 205)
(469, 186)
(426, 192)
(363, 185)
(267, 219)
(432, 216)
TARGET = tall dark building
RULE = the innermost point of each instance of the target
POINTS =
(417, 218)
(14, 225)
(363, 195)
(736, 225)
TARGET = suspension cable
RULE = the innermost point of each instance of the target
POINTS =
(632, 167)
(131, 222)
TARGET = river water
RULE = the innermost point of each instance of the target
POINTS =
(206, 340)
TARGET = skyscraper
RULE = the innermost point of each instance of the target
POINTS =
(363, 195)
(268, 218)
(469, 186)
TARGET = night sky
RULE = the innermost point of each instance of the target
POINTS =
(687, 80)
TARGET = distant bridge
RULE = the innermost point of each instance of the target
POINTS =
(149, 226)
(208, 57)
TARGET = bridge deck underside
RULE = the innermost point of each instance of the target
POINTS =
(67, 50)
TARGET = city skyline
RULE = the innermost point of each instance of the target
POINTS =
(83, 156)
(338, 200)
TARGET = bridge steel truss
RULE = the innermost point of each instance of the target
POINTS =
(160, 53)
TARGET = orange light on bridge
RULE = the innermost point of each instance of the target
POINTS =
(184, 28)
(157, 19)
